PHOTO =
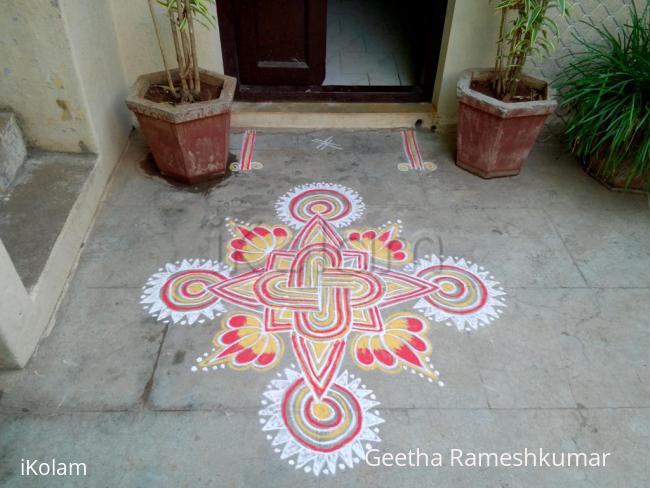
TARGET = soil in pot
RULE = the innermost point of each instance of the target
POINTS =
(525, 93)
(162, 94)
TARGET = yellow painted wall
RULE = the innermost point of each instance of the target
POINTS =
(469, 41)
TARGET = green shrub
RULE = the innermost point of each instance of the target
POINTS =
(606, 90)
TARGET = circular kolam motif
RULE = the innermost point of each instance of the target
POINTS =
(236, 167)
(180, 292)
(467, 296)
(404, 166)
(336, 204)
(324, 425)
(320, 435)
(428, 166)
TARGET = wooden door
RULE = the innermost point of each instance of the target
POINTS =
(279, 42)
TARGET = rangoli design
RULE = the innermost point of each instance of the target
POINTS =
(413, 154)
(324, 292)
(246, 153)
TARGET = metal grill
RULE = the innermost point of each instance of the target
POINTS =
(611, 14)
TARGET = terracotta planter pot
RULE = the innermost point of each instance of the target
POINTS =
(189, 142)
(616, 182)
(494, 137)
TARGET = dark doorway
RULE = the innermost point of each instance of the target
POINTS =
(332, 50)
(372, 43)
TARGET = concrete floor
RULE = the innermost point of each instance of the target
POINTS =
(564, 368)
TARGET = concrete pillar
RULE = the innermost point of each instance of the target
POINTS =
(469, 41)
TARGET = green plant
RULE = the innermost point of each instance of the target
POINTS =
(525, 29)
(607, 92)
(182, 14)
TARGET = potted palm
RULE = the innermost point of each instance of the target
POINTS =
(606, 92)
(184, 113)
(501, 110)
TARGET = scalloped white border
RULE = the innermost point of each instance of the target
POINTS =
(356, 203)
(301, 457)
(488, 313)
(152, 303)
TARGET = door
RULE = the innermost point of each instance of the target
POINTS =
(277, 50)
(280, 42)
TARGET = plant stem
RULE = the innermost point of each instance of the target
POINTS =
(162, 51)
(498, 69)
(186, 96)
(195, 63)
(188, 74)
(182, 18)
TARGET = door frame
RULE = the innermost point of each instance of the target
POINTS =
(312, 93)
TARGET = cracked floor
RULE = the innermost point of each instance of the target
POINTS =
(563, 368)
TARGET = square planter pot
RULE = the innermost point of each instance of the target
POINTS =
(617, 181)
(494, 137)
(189, 142)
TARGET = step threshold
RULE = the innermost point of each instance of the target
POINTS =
(330, 115)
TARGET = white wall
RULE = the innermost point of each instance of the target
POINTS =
(38, 79)
(137, 40)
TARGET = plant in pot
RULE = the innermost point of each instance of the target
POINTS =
(501, 110)
(184, 113)
(606, 92)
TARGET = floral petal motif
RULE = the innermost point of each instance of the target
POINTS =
(383, 244)
(252, 244)
(243, 343)
(401, 344)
